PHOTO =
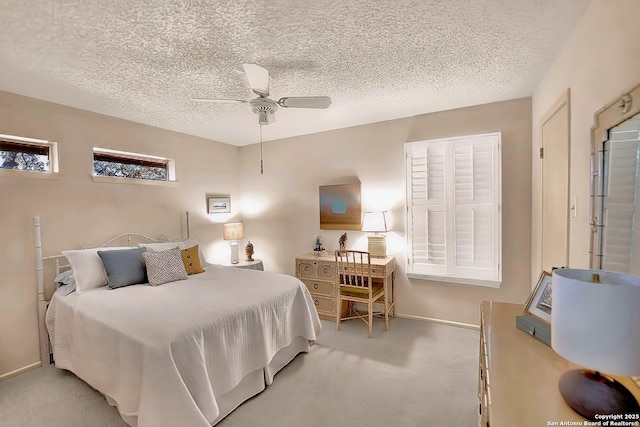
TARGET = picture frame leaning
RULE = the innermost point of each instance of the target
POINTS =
(539, 302)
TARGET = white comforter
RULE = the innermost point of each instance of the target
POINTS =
(165, 353)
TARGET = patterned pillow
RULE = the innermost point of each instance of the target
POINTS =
(191, 260)
(164, 267)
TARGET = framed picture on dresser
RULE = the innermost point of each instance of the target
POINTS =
(539, 302)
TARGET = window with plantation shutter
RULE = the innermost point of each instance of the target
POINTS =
(453, 209)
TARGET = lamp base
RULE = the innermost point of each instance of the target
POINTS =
(234, 252)
(377, 246)
(589, 393)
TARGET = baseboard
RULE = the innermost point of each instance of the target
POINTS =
(20, 371)
(440, 321)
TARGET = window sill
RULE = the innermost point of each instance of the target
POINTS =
(16, 173)
(119, 180)
(456, 280)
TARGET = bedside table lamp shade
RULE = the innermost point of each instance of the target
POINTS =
(376, 222)
(595, 322)
(233, 231)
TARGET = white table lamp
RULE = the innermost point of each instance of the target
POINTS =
(595, 322)
(233, 231)
(376, 222)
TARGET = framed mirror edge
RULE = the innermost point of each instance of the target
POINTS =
(611, 115)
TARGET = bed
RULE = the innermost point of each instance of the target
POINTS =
(186, 352)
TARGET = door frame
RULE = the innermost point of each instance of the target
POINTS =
(563, 100)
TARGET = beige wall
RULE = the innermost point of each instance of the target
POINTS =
(598, 63)
(75, 210)
(281, 212)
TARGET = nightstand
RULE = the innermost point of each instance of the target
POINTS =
(256, 264)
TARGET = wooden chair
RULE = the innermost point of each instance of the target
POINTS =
(355, 286)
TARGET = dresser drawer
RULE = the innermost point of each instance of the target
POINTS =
(305, 269)
(325, 305)
(325, 270)
(377, 270)
(319, 287)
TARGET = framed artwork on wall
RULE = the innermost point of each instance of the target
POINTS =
(340, 207)
(218, 204)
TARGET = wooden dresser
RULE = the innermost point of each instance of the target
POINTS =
(518, 375)
(319, 274)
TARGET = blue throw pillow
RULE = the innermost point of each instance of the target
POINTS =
(66, 282)
(124, 267)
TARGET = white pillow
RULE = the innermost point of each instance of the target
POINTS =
(87, 267)
(163, 246)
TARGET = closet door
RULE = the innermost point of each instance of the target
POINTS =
(554, 175)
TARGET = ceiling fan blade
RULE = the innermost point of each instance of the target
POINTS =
(220, 100)
(305, 102)
(258, 77)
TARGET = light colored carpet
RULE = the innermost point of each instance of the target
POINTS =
(417, 374)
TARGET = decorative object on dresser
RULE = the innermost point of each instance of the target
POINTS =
(539, 302)
(318, 249)
(356, 286)
(596, 324)
(342, 241)
(340, 207)
(233, 232)
(319, 275)
(248, 251)
(537, 318)
(376, 222)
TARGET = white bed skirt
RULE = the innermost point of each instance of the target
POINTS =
(251, 385)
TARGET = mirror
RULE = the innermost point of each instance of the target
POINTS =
(615, 186)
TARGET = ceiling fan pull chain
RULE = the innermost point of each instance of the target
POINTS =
(261, 161)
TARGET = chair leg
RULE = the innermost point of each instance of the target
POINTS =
(370, 318)
(338, 312)
(386, 313)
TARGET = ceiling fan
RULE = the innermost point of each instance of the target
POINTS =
(263, 106)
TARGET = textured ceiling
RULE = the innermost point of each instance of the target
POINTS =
(143, 60)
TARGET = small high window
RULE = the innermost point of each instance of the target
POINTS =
(120, 164)
(27, 154)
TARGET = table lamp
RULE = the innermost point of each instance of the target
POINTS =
(233, 231)
(595, 322)
(376, 222)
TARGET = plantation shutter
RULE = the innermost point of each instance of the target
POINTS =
(428, 213)
(453, 195)
(620, 207)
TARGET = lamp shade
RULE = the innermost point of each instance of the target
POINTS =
(233, 231)
(374, 222)
(595, 320)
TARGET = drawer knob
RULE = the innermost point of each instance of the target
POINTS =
(315, 286)
(316, 302)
